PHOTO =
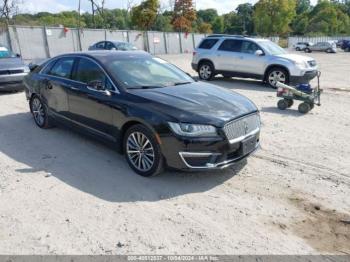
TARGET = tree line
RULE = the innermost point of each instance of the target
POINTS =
(266, 17)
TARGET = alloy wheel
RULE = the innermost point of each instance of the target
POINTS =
(38, 111)
(205, 72)
(277, 76)
(140, 151)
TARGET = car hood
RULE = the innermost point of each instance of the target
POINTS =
(9, 63)
(296, 58)
(198, 103)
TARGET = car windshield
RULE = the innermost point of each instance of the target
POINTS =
(4, 53)
(150, 72)
(272, 48)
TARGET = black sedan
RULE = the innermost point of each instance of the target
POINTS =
(150, 110)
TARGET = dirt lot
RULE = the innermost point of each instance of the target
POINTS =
(61, 193)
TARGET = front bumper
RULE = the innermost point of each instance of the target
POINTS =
(304, 78)
(207, 154)
(12, 82)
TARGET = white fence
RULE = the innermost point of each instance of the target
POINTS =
(293, 40)
(44, 42)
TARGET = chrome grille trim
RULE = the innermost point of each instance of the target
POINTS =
(239, 129)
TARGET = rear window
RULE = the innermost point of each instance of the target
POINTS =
(208, 43)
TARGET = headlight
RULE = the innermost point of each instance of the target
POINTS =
(301, 64)
(26, 69)
(192, 129)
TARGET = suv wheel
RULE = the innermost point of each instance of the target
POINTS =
(142, 151)
(206, 71)
(307, 50)
(39, 111)
(328, 50)
(277, 74)
(297, 49)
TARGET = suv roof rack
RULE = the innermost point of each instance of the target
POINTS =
(225, 35)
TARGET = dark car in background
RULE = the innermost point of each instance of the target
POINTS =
(345, 45)
(152, 111)
(113, 45)
(12, 70)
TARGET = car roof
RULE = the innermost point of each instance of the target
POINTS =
(107, 55)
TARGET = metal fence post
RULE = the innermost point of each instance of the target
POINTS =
(165, 43)
(79, 39)
(180, 41)
(128, 36)
(194, 42)
(105, 34)
(46, 43)
(9, 40)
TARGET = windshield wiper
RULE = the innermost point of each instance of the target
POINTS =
(182, 83)
(145, 87)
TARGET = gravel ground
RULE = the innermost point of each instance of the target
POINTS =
(62, 193)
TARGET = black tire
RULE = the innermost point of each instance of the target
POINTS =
(206, 71)
(304, 107)
(290, 102)
(297, 49)
(312, 106)
(328, 50)
(282, 104)
(39, 112)
(274, 73)
(148, 165)
(347, 49)
(307, 50)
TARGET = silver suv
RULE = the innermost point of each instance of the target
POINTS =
(239, 56)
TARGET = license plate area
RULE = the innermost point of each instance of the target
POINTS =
(248, 145)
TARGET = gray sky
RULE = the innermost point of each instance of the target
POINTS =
(33, 6)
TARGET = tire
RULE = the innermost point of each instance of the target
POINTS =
(312, 106)
(328, 50)
(290, 102)
(282, 104)
(206, 71)
(307, 50)
(277, 74)
(39, 112)
(142, 151)
(304, 107)
(347, 49)
(297, 49)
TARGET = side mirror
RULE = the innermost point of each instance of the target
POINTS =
(259, 53)
(113, 48)
(32, 66)
(97, 85)
(18, 55)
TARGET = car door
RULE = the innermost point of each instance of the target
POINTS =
(100, 45)
(110, 46)
(227, 55)
(89, 105)
(248, 62)
(55, 85)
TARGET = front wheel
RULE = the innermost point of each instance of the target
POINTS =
(206, 71)
(329, 50)
(304, 108)
(277, 75)
(142, 151)
(307, 50)
(297, 49)
(39, 111)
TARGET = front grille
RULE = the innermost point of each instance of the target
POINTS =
(312, 63)
(11, 71)
(242, 126)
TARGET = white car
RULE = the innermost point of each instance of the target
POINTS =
(239, 56)
(300, 46)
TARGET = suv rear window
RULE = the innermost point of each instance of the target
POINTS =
(208, 43)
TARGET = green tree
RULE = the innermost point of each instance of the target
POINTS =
(245, 17)
(207, 15)
(272, 17)
(144, 15)
(218, 25)
(183, 16)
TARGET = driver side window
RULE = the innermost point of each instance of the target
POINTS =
(88, 71)
(249, 47)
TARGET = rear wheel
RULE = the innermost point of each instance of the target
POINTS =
(142, 151)
(328, 50)
(277, 74)
(39, 111)
(206, 71)
(304, 108)
(307, 50)
(297, 49)
(289, 102)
